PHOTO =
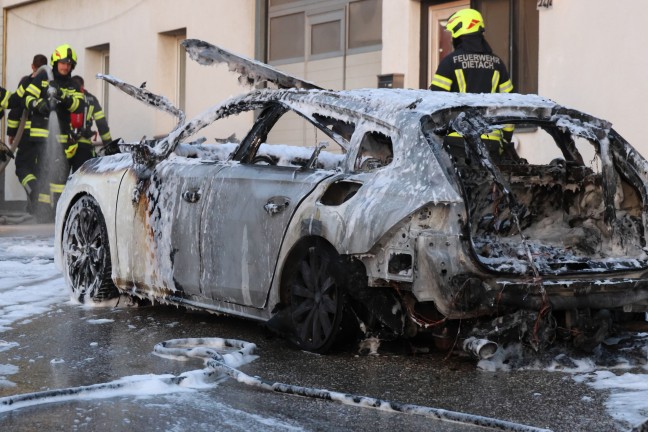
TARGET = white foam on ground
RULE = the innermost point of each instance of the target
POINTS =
(625, 379)
(30, 284)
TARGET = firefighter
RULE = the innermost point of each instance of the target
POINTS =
(473, 68)
(56, 107)
(93, 113)
(18, 120)
(18, 107)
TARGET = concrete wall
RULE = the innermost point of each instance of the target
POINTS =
(401, 39)
(592, 58)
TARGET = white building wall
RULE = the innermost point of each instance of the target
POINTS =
(591, 58)
(401, 39)
(362, 70)
(132, 28)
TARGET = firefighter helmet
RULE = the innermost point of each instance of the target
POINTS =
(464, 22)
(64, 52)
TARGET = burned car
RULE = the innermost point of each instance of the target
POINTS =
(375, 225)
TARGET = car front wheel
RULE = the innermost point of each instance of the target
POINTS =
(86, 253)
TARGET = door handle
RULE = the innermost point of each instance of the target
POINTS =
(276, 205)
(191, 195)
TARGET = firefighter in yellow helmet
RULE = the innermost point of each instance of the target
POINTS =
(48, 99)
(473, 68)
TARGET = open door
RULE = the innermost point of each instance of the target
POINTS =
(440, 41)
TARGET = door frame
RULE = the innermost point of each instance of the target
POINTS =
(432, 12)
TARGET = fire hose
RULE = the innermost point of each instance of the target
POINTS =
(217, 363)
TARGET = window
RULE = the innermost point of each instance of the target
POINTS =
(375, 152)
(326, 37)
(287, 37)
(181, 88)
(172, 53)
(326, 34)
(300, 29)
(541, 148)
(365, 23)
(292, 140)
(294, 130)
(98, 61)
(274, 3)
(105, 69)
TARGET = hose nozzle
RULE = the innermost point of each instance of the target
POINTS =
(51, 97)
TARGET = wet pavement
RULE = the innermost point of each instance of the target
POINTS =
(72, 346)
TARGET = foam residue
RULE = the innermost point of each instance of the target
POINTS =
(30, 284)
(619, 371)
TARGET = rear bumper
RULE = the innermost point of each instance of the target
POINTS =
(603, 293)
(449, 277)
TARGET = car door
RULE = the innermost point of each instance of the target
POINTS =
(160, 233)
(187, 193)
(244, 221)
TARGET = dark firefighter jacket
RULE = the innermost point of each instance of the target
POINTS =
(94, 112)
(71, 102)
(17, 109)
(472, 68)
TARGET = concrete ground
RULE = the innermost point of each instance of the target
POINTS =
(14, 224)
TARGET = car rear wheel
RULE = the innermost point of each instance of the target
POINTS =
(86, 253)
(317, 298)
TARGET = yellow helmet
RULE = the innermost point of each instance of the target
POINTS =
(64, 52)
(464, 22)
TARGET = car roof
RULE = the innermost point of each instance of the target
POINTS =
(394, 108)
(390, 105)
(427, 101)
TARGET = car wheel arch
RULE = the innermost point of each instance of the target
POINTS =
(111, 235)
(312, 284)
(103, 288)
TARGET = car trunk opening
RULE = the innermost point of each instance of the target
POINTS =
(580, 210)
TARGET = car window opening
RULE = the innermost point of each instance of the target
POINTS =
(341, 128)
(376, 151)
(291, 140)
(560, 199)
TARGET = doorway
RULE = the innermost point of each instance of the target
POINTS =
(439, 40)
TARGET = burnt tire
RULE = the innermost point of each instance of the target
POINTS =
(317, 297)
(264, 160)
(86, 253)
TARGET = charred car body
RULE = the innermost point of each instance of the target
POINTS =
(397, 233)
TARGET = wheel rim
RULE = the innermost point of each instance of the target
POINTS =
(85, 251)
(315, 300)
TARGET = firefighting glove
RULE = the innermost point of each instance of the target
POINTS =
(41, 106)
(87, 133)
(55, 90)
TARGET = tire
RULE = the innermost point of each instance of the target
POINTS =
(86, 253)
(264, 160)
(317, 298)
